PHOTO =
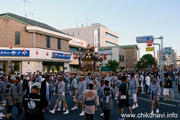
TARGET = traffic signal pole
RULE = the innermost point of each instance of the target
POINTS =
(161, 59)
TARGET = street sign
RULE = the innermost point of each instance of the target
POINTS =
(149, 43)
(144, 39)
(149, 49)
(168, 50)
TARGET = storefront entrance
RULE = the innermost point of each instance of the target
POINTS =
(49, 67)
(10, 66)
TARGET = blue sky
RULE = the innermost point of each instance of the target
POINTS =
(128, 18)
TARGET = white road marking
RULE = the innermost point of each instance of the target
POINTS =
(159, 102)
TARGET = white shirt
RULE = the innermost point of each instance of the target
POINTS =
(47, 88)
(147, 79)
(30, 86)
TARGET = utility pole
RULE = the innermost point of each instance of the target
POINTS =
(161, 59)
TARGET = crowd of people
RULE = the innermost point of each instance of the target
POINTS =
(31, 93)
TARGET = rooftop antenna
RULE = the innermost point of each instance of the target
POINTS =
(87, 20)
(60, 23)
(76, 23)
(90, 19)
(25, 8)
(32, 15)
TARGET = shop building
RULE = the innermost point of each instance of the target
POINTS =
(96, 34)
(28, 45)
(126, 55)
(76, 46)
(113, 53)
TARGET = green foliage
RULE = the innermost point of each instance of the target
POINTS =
(113, 65)
(146, 60)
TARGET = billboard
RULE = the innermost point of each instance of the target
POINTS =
(61, 55)
(96, 36)
(78, 43)
(14, 53)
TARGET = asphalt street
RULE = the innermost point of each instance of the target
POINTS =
(144, 107)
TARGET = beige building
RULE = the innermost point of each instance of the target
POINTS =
(95, 34)
(178, 61)
(131, 55)
(113, 53)
(28, 45)
(126, 55)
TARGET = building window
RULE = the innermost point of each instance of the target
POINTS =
(110, 43)
(17, 38)
(59, 43)
(73, 49)
(134, 60)
(48, 42)
(111, 36)
(121, 58)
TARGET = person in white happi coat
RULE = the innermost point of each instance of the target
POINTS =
(81, 92)
(74, 86)
(61, 95)
(133, 86)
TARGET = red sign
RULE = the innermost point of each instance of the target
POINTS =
(64, 54)
(47, 53)
(149, 43)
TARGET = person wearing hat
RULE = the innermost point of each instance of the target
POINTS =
(34, 103)
(134, 84)
(19, 88)
(45, 90)
(74, 86)
(81, 91)
(52, 83)
(107, 93)
(3, 89)
(11, 96)
(60, 95)
(101, 86)
(2, 93)
(123, 97)
(154, 90)
(90, 101)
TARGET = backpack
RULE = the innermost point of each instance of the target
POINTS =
(168, 83)
(8, 89)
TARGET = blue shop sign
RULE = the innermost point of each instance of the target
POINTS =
(61, 55)
(14, 53)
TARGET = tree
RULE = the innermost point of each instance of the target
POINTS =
(145, 61)
(113, 65)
